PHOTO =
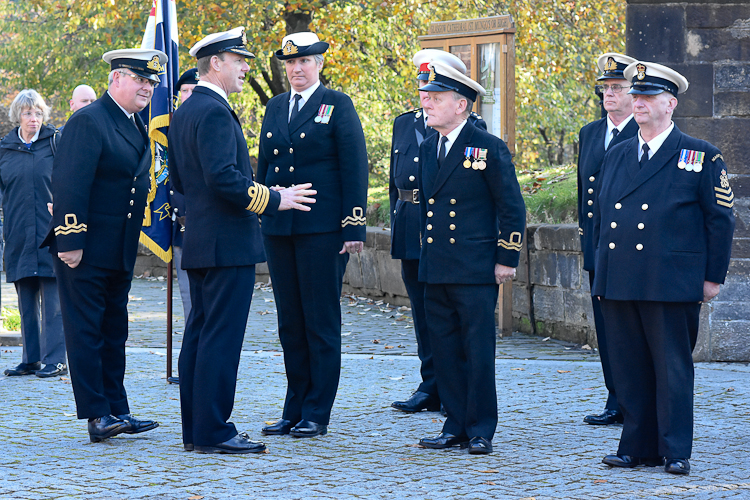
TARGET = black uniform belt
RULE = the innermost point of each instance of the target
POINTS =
(410, 195)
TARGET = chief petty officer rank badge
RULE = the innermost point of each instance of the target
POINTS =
(479, 157)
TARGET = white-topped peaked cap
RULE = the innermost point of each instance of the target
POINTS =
(612, 65)
(444, 77)
(652, 78)
(147, 63)
(424, 57)
(233, 41)
(304, 43)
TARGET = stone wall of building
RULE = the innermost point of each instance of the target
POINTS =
(708, 41)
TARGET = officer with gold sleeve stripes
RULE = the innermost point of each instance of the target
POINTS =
(210, 165)
(664, 225)
(473, 219)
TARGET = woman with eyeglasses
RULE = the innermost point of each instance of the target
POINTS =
(25, 175)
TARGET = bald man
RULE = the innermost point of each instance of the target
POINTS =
(83, 95)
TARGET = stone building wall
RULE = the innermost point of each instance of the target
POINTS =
(709, 43)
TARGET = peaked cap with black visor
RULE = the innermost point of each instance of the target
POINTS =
(147, 63)
(651, 78)
(233, 41)
(301, 44)
(444, 78)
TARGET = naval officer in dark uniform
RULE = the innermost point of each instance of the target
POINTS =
(409, 130)
(211, 167)
(664, 224)
(99, 187)
(311, 134)
(472, 218)
(594, 140)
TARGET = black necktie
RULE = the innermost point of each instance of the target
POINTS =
(295, 107)
(644, 156)
(612, 138)
(132, 119)
(441, 151)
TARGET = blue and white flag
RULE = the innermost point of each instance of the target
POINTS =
(160, 34)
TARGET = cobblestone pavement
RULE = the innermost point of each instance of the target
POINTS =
(542, 449)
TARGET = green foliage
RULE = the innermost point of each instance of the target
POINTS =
(550, 194)
(11, 319)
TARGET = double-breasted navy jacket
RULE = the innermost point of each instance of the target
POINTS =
(590, 157)
(99, 186)
(210, 165)
(662, 230)
(25, 183)
(330, 153)
(408, 134)
(471, 219)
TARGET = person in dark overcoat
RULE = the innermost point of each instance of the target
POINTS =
(663, 223)
(409, 130)
(594, 140)
(211, 167)
(311, 134)
(26, 155)
(473, 220)
(99, 187)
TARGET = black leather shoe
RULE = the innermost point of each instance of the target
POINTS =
(480, 446)
(239, 444)
(136, 426)
(609, 417)
(677, 466)
(105, 427)
(628, 462)
(308, 429)
(52, 370)
(444, 440)
(417, 402)
(24, 369)
(280, 428)
(189, 447)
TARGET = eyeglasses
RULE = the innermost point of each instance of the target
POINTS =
(616, 88)
(140, 80)
(37, 114)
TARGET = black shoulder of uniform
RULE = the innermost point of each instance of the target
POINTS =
(410, 112)
(475, 116)
(593, 124)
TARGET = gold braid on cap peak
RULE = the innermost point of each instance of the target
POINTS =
(259, 196)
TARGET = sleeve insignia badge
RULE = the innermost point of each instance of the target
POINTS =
(724, 194)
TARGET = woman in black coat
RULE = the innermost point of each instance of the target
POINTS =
(25, 175)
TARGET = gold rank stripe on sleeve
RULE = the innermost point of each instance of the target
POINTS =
(513, 244)
(356, 219)
(71, 226)
(259, 196)
(580, 231)
(724, 197)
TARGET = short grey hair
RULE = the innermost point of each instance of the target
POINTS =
(25, 100)
(204, 63)
(319, 59)
(469, 103)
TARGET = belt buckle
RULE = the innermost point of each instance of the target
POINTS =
(415, 196)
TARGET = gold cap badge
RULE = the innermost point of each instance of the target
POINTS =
(154, 65)
(641, 71)
(432, 74)
(244, 38)
(290, 48)
(611, 64)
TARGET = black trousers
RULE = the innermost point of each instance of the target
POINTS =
(307, 272)
(650, 346)
(601, 338)
(461, 325)
(94, 306)
(210, 355)
(415, 289)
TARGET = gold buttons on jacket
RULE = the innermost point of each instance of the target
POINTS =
(429, 214)
(453, 201)
(269, 135)
(276, 169)
(429, 240)
(639, 247)
(591, 215)
(275, 151)
(618, 206)
(613, 225)
(129, 215)
(452, 241)
(412, 178)
(416, 159)
(171, 191)
(612, 246)
(135, 179)
(291, 150)
(431, 201)
(591, 202)
(644, 206)
(133, 191)
(591, 190)
(131, 203)
(395, 150)
(641, 225)
(592, 178)
(302, 135)
(453, 227)
(429, 227)
(291, 169)
(452, 213)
